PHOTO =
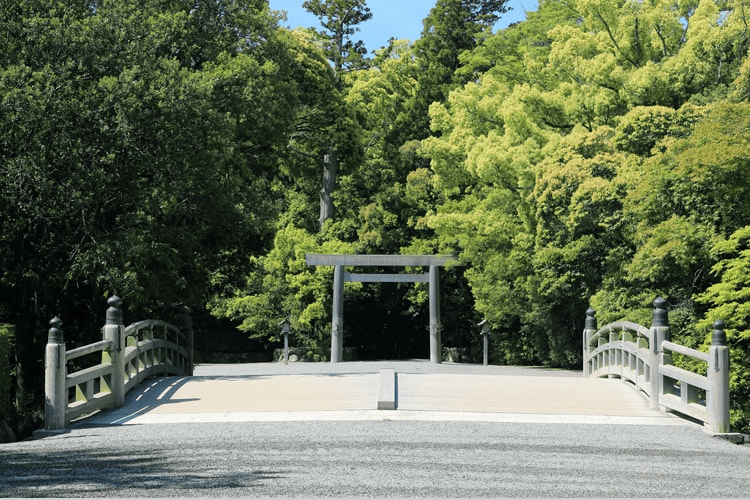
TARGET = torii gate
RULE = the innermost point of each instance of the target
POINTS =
(339, 277)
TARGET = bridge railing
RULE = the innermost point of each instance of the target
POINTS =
(643, 357)
(128, 356)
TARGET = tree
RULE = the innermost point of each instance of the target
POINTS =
(728, 300)
(451, 28)
(281, 284)
(339, 19)
(557, 171)
(137, 146)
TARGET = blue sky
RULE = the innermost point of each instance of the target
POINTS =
(392, 18)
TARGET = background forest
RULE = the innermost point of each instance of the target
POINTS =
(182, 152)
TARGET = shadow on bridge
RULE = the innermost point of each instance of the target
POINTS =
(149, 397)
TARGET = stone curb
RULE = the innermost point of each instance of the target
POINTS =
(733, 437)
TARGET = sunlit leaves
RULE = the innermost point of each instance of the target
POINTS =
(729, 300)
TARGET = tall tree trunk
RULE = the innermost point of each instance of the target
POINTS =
(330, 168)
(29, 380)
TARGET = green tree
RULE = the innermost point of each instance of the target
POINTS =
(340, 20)
(451, 28)
(728, 299)
(281, 284)
(137, 148)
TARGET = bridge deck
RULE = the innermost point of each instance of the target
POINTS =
(349, 391)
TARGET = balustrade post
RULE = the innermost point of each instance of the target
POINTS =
(114, 330)
(613, 365)
(589, 330)
(55, 372)
(717, 397)
(186, 327)
(659, 333)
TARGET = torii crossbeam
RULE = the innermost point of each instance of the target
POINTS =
(434, 263)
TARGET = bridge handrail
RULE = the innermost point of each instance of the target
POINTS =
(621, 349)
(102, 345)
(129, 355)
(622, 326)
(645, 360)
(685, 351)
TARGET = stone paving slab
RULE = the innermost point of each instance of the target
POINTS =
(351, 391)
(514, 394)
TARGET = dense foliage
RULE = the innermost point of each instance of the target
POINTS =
(171, 152)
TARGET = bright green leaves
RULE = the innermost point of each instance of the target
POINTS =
(604, 182)
(729, 300)
(705, 174)
(283, 285)
(644, 127)
(380, 97)
(671, 254)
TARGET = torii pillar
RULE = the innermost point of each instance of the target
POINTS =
(340, 276)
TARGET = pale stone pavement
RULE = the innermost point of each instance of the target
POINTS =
(349, 391)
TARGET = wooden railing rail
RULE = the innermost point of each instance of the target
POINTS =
(129, 355)
(643, 357)
(102, 345)
(89, 389)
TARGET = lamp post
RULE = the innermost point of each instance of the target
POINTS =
(486, 329)
(286, 330)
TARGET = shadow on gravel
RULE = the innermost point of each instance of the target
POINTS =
(105, 473)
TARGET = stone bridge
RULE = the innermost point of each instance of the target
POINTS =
(380, 429)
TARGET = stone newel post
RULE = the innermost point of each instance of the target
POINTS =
(659, 333)
(54, 378)
(718, 380)
(114, 330)
(589, 329)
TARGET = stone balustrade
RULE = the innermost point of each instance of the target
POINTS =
(643, 356)
(128, 356)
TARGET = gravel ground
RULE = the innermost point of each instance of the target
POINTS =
(376, 459)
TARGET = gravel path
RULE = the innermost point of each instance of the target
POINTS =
(377, 459)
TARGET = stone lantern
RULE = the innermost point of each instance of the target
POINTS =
(485, 333)
(286, 330)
